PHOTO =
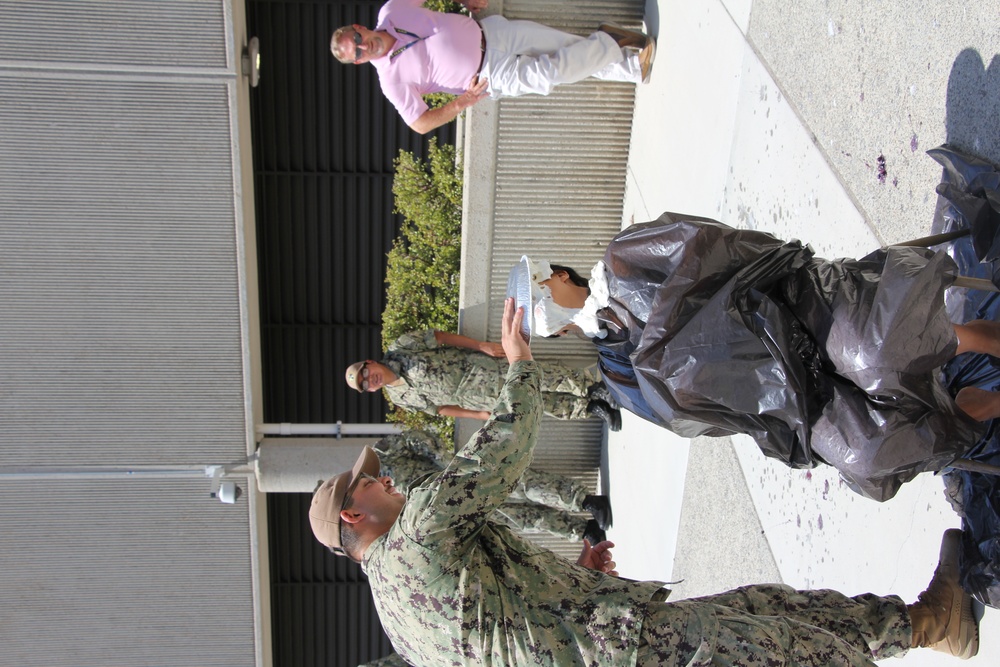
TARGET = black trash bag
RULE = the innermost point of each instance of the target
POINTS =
(972, 186)
(979, 497)
(837, 362)
(976, 494)
(969, 197)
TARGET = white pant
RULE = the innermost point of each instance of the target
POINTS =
(524, 57)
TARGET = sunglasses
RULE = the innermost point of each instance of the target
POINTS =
(357, 45)
(363, 373)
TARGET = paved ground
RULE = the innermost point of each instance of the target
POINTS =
(773, 115)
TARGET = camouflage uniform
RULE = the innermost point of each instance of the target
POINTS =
(546, 500)
(776, 625)
(435, 375)
(391, 660)
(453, 587)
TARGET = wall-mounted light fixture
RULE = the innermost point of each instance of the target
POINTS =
(224, 490)
(251, 61)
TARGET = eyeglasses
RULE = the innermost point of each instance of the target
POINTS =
(363, 372)
(357, 45)
(353, 488)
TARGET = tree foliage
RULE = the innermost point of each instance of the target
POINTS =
(444, 6)
(422, 277)
(423, 265)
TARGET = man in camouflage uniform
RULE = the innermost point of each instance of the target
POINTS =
(543, 500)
(453, 587)
(448, 374)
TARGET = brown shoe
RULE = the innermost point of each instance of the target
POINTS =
(646, 59)
(624, 37)
(943, 618)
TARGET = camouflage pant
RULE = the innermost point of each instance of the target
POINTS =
(775, 625)
(564, 390)
(546, 499)
(549, 489)
(528, 518)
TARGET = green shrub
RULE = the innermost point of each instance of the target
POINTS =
(423, 266)
(443, 6)
(438, 100)
(435, 100)
(422, 277)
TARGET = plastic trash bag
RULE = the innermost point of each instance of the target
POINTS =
(970, 194)
(971, 188)
(819, 361)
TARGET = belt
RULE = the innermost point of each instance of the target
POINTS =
(482, 50)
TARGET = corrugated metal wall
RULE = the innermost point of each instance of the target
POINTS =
(324, 613)
(122, 336)
(137, 35)
(560, 162)
(108, 574)
(558, 183)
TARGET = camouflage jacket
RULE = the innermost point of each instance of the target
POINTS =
(435, 375)
(408, 456)
(453, 587)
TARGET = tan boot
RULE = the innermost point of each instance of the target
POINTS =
(646, 57)
(942, 618)
(634, 39)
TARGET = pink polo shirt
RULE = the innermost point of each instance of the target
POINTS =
(445, 62)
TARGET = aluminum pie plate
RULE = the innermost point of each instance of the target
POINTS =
(519, 287)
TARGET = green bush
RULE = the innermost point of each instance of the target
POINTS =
(435, 100)
(422, 277)
(438, 100)
(423, 267)
(443, 6)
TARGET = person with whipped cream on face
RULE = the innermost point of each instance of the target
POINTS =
(565, 303)
(709, 330)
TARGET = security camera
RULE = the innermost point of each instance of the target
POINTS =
(228, 492)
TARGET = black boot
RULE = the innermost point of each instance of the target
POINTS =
(600, 508)
(611, 416)
(593, 533)
(600, 392)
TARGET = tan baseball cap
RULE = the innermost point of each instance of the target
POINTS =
(328, 500)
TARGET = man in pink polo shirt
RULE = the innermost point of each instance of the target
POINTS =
(417, 51)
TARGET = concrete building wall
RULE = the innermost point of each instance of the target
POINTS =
(125, 337)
